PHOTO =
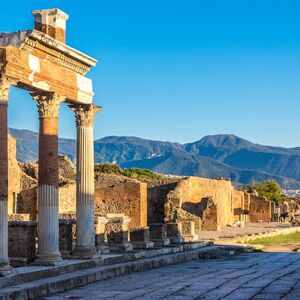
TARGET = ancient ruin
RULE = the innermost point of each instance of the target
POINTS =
(40, 62)
(57, 209)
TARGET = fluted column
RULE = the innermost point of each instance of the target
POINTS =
(85, 231)
(48, 214)
(5, 83)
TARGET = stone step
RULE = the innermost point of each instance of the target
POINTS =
(30, 273)
(67, 281)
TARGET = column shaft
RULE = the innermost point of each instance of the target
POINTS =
(4, 261)
(48, 210)
(85, 190)
(85, 229)
(5, 83)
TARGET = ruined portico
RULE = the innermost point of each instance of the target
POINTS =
(40, 62)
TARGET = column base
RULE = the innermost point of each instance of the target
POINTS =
(6, 269)
(86, 252)
(48, 260)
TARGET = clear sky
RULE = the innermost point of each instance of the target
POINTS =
(179, 70)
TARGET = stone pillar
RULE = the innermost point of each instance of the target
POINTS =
(85, 231)
(48, 215)
(5, 268)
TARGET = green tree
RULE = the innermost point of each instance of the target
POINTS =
(269, 189)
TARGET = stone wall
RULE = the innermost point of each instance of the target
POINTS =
(129, 198)
(240, 206)
(260, 209)
(190, 192)
(157, 196)
(67, 197)
(14, 175)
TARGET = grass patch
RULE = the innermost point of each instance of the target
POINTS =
(283, 239)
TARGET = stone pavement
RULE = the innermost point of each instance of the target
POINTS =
(245, 276)
(229, 233)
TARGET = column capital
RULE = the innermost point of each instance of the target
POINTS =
(47, 103)
(85, 114)
(5, 84)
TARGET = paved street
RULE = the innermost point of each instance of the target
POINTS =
(245, 276)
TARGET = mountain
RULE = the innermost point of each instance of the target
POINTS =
(214, 156)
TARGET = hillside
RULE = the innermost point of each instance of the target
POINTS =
(213, 156)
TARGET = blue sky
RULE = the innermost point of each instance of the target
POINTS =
(179, 70)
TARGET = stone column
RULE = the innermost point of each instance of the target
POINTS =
(5, 268)
(48, 214)
(85, 231)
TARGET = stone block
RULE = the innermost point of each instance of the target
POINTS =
(188, 231)
(158, 234)
(22, 242)
(117, 230)
(100, 235)
(20, 217)
(174, 232)
(140, 238)
(66, 233)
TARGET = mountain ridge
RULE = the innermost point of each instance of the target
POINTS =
(221, 155)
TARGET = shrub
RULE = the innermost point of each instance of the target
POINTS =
(135, 173)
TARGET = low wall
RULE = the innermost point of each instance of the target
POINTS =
(129, 198)
(260, 209)
(188, 194)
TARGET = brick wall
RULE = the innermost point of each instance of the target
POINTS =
(240, 205)
(129, 198)
(14, 175)
(260, 209)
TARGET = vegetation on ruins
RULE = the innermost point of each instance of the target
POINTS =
(269, 189)
(135, 173)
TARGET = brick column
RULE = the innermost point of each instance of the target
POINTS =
(85, 231)
(48, 214)
(5, 268)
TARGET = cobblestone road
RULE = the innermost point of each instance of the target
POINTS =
(245, 276)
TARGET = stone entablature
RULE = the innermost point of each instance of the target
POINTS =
(43, 62)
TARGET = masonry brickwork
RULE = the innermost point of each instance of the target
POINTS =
(14, 175)
(129, 198)
(189, 193)
(260, 209)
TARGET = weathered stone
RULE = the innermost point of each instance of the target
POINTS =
(129, 198)
(260, 209)
(22, 242)
(100, 235)
(118, 236)
(174, 232)
(140, 238)
(66, 233)
(158, 234)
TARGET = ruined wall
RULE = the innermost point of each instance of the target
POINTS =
(67, 197)
(192, 190)
(27, 200)
(260, 209)
(129, 198)
(14, 175)
(238, 205)
(156, 199)
(247, 198)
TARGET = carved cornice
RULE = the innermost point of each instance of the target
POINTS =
(47, 103)
(85, 114)
(5, 84)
